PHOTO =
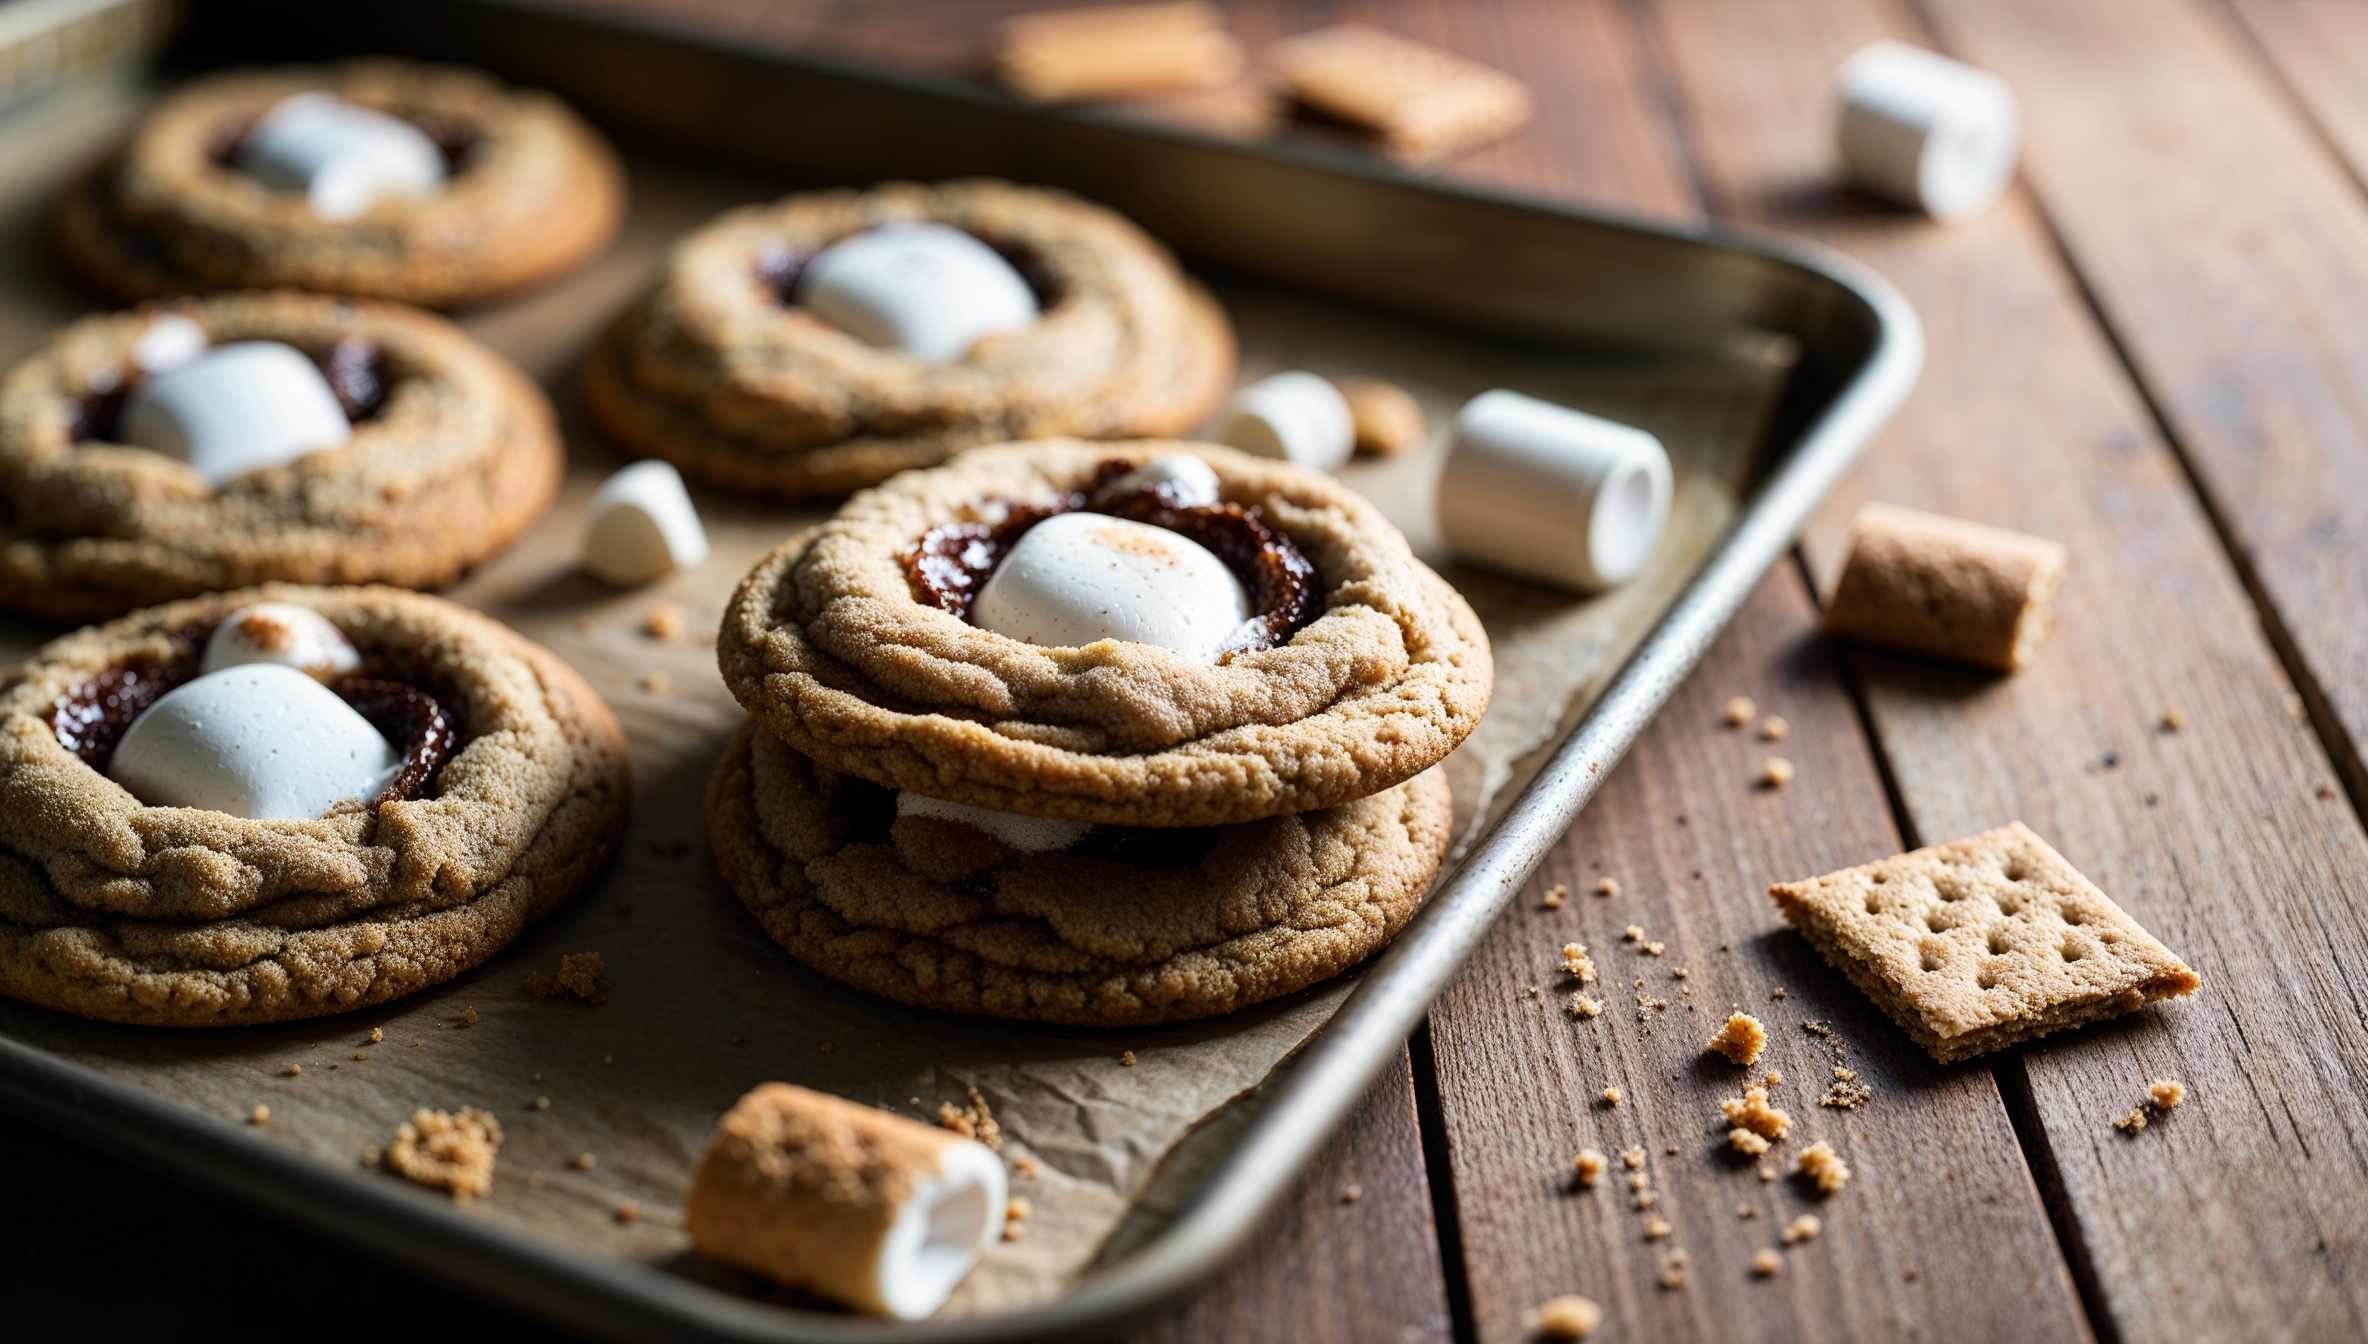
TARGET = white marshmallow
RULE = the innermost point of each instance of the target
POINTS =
(1191, 483)
(1080, 577)
(941, 1230)
(1927, 132)
(930, 290)
(170, 342)
(1028, 835)
(260, 741)
(343, 157)
(640, 525)
(1550, 493)
(235, 409)
(282, 633)
(1298, 417)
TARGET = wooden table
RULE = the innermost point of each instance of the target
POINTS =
(2157, 351)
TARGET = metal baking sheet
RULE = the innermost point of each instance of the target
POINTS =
(1765, 368)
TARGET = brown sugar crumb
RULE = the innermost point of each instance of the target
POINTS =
(1611, 1096)
(1804, 1228)
(2133, 1122)
(1632, 1158)
(1582, 1006)
(1745, 1142)
(1577, 964)
(1741, 710)
(1608, 886)
(1025, 1166)
(452, 1152)
(628, 1211)
(1751, 1111)
(1556, 895)
(974, 1121)
(2173, 719)
(1765, 1262)
(1590, 1166)
(1820, 1163)
(1775, 728)
(261, 1115)
(1776, 772)
(2167, 1093)
(1740, 1040)
(293, 1070)
(664, 623)
(583, 1161)
(377, 1036)
(579, 974)
(1569, 1316)
(468, 1017)
(1126, 1059)
(1657, 1227)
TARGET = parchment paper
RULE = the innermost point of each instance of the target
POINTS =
(701, 1004)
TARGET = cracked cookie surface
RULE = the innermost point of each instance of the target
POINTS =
(534, 194)
(184, 917)
(827, 646)
(462, 454)
(719, 373)
(938, 915)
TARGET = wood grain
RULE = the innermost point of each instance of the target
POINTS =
(2320, 49)
(2238, 1217)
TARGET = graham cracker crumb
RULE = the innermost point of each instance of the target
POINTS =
(1773, 1078)
(579, 974)
(1657, 1227)
(2326, 790)
(1645, 1199)
(1126, 1059)
(2167, 1093)
(1745, 1142)
(1025, 1166)
(1633, 1157)
(1765, 1262)
(1582, 1006)
(2173, 719)
(1846, 1093)
(1751, 1111)
(1633, 933)
(1556, 895)
(664, 623)
(371, 1156)
(1741, 709)
(1020, 1208)
(293, 1070)
(1569, 1316)
(1775, 728)
(1673, 1276)
(1609, 886)
(584, 627)
(2133, 1122)
(376, 1036)
(1767, 1173)
(1820, 1163)
(1776, 772)
(1804, 1228)
(360, 1057)
(1576, 963)
(1640, 1180)
(974, 1121)
(1015, 1232)
(1590, 1165)
(1654, 949)
(468, 1017)
(1747, 1211)
(452, 1152)
(1611, 1096)
(1681, 973)
(1776, 993)
(628, 1211)
(657, 683)
(1740, 1040)
(261, 1115)
(583, 1161)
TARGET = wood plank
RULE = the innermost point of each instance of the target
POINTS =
(1693, 842)
(2320, 49)
(2238, 1217)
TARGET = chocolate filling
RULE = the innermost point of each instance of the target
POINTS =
(352, 366)
(411, 719)
(952, 561)
(779, 267)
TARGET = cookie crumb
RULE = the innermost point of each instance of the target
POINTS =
(1751, 1111)
(583, 1161)
(1740, 1040)
(1804, 1228)
(1673, 1273)
(1776, 993)
(1351, 1193)
(1569, 1316)
(1774, 1077)
(371, 1156)
(1633, 1157)
(1582, 1006)
(1741, 709)
(1657, 1227)
(579, 974)
(1577, 964)
(664, 623)
(628, 1211)
(1767, 1173)
(2167, 1093)
(1775, 728)
(974, 1121)
(2173, 719)
(261, 1115)
(1015, 1231)
(1556, 895)
(2326, 790)
(1126, 1059)
(1747, 1211)
(2133, 1122)
(468, 1017)
(1608, 886)
(1846, 1093)
(1776, 772)
(1611, 1097)
(1820, 1163)
(1640, 1181)
(293, 1070)
(360, 1057)
(1633, 933)
(376, 1035)
(657, 683)
(1765, 1262)
(1020, 1208)
(1680, 973)
(1025, 1166)
(449, 1151)
(1745, 1142)
(1590, 1166)
(1654, 949)
(1908, 1274)
(542, 1103)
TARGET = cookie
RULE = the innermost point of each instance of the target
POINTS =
(828, 645)
(532, 193)
(185, 917)
(939, 915)
(722, 374)
(1974, 945)
(453, 454)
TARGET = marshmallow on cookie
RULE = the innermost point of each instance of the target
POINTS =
(1021, 834)
(261, 740)
(929, 290)
(342, 156)
(1077, 578)
(234, 408)
(283, 633)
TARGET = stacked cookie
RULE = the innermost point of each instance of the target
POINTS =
(1100, 734)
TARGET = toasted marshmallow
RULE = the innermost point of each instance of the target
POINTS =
(1298, 417)
(1080, 577)
(170, 342)
(930, 290)
(342, 156)
(282, 633)
(1546, 492)
(1028, 835)
(236, 408)
(260, 741)
(1191, 483)
(641, 524)
(1927, 132)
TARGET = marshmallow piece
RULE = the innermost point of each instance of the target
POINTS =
(342, 156)
(260, 741)
(1190, 483)
(1550, 493)
(927, 289)
(641, 524)
(1298, 417)
(235, 409)
(1076, 578)
(170, 342)
(1027, 835)
(882, 1213)
(282, 633)
(1927, 132)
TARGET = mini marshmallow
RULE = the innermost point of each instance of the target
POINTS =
(170, 342)
(1190, 483)
(1546, 492)
(260, 741)
(641, 524)
(927, 289)
(1027, 835)
(1927, 132)
(1076, 578)
(1298, 417)
(342, 156)
(882, 1213)
(282, 633)
(234, 409)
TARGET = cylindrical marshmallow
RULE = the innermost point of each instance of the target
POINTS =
(641, 524)
(1078, 578)
(170, 342)
(882, 1213)
(1024, 834)
(1549, 493)
(1296, 416)
(1927, 132)
(282, 633)
(260, 741)
(927, 289)
(343, 157)
(1184, 480)
(1945, 587)
(236, 408)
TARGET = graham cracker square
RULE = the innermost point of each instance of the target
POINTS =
(1983, 942)
(1424, 102)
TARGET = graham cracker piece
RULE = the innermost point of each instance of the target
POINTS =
(1983, 942)
(1945, 587)
(1115, 51)
(448, 1151)
(1423, 102)
(579, 974)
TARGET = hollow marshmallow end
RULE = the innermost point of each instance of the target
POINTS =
(949, 1221)
(1631, 510)
(1027, 835)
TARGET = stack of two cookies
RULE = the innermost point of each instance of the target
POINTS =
(1097, 734)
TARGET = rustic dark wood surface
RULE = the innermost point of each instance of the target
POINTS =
(2155, 351)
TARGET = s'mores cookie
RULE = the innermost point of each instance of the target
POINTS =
(1977, 944)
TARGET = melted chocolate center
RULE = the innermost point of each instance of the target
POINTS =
(952, 561)
(411, 719)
